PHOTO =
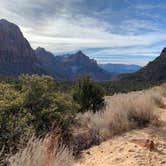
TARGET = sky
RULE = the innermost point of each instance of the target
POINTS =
(110, 31)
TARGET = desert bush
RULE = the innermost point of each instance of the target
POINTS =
(123, 112)
(89, 95)
(157, 95)
(84, 140)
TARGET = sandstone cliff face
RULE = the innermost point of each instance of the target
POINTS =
(16, 54)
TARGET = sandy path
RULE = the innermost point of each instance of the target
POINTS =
(119, 151)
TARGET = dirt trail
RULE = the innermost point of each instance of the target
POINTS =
(119, 151)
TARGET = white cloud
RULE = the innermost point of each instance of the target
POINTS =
(149, 6)
(67, 35)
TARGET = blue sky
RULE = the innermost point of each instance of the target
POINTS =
(111, 31)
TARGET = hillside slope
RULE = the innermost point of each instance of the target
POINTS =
(119, 68)
(153, 71)
(120, 151)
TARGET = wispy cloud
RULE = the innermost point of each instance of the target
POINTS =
(129, 55)
(142, 6)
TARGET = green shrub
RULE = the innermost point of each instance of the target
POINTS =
(14, 119)
(89, 95)
(47, 105)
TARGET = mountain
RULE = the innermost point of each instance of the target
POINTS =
(17, 57)
(119, 68)
(50, 63)
(153, 71)
(16, 54)
(71, 66)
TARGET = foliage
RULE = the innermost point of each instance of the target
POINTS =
(89, 95)
(14, 119)
(47, 105)
(36, 106)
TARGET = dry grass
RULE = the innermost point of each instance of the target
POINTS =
(42, 152)
(124, 112)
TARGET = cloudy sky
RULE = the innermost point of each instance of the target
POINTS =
(111, 31)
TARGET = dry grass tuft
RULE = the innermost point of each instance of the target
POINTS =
(42, 152)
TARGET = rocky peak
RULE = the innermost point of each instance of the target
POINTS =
(16, 54)
(5, 22)
(41, 52)
(164, 49)
(40, 49)
(14, 47)
(10, 29)
(80, 58)
(44, 54)
(80, 54)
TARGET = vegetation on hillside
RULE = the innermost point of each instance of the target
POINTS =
(35, 106)
(114, 87)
